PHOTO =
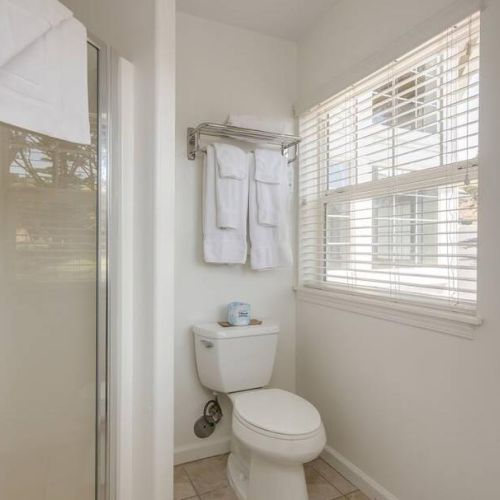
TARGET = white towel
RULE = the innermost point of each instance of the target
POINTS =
(43, 69)
(270, 166)
(221, 246)
(256, 123)
(270, 246)
(231, 184)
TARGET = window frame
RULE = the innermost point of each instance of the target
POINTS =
(426, 312)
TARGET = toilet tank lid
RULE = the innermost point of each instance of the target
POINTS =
(216, 331)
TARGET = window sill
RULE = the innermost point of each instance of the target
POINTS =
(452, 323)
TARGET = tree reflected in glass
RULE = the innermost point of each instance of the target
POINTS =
(49, 191)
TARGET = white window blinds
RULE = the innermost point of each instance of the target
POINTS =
(388, 180)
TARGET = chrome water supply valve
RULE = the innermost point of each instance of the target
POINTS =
(212, 415)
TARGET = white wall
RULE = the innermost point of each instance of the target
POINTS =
(222, 69)
(416, 411)
(164, 249)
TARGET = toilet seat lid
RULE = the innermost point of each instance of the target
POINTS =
(277, 411)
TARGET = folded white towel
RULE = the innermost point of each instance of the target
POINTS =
(43, 69)
(222, 246)
(270, 167)
(231, 185)
(270, 245)
(256, 123)
(232, 161)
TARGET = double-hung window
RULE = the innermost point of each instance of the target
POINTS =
(388, 180)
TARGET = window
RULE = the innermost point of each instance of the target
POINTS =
(388, 180)
(408, 221)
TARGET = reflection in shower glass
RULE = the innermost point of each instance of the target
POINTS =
(48, 218)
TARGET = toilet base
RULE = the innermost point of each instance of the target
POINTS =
(266, 479)
(270, 480)
(237, 474)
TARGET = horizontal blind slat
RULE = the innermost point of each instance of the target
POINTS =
(310, 123)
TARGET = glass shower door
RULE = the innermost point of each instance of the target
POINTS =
(49, 313)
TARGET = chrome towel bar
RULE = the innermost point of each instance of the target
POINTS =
(285, 141)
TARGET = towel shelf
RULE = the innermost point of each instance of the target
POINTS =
(285, 141)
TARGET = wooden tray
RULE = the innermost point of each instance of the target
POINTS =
(253, 322)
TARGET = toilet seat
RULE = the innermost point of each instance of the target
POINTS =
(276, 413)
(278, 425)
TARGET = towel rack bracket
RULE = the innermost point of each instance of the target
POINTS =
(193, 137)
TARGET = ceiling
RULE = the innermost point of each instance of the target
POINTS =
(288, 19)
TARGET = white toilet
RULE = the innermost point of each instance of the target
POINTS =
(274, 431)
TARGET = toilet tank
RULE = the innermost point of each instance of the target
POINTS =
(231, 359)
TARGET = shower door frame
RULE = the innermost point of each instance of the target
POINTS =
(102, 470)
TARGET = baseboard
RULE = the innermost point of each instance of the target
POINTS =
(363, 481)
(203, 449)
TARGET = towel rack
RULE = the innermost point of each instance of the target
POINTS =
(286, 141)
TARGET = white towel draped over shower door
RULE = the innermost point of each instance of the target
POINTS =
(43, 69)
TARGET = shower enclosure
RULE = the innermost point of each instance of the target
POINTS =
(53, 308)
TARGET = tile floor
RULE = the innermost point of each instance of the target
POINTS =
(206, 480)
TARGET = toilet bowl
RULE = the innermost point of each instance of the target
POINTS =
(274, 431)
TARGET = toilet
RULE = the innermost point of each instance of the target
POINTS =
(274, 431)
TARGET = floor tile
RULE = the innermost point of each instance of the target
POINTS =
(222, 494)
(357, 495)
(333, 477)
(208, 475)
(318, 487)
(206, 480)
(182, 485)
